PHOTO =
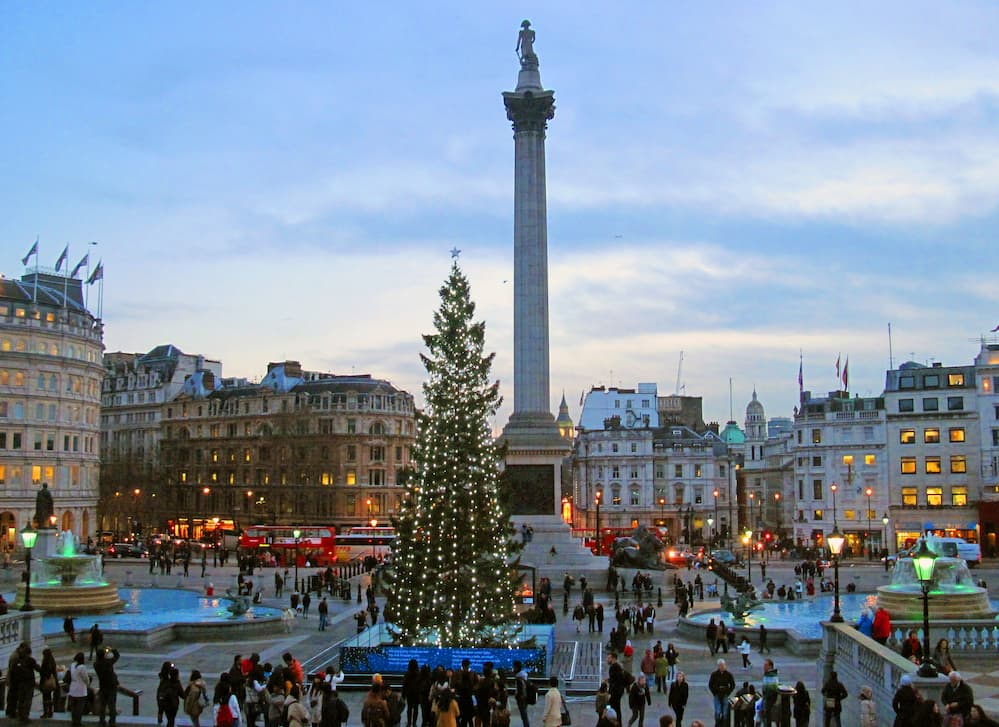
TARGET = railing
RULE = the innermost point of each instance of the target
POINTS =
(860, 661)
(966, 636)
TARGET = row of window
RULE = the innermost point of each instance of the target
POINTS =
(48, 348)
(696, 470)
(931, 435)
(934, 496)
(931, 403)
(376, 453)
(17, 379)
(327, 402)
(301, 427)
(246, 476)
(14, 474)
(660, 499)
(934, 465)
(930, 381)
(846, 434)
(44, 411)
(46, 441)
(816, 460)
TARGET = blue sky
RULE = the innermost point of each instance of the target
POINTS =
(739, 181)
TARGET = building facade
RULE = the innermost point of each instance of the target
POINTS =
(298, 448)
(50, 379)
(987, 375)
(934, 450)
(840, 470)
(765, 477)
(134, 390)
(645, 472)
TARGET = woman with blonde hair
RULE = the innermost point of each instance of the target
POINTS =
(868, 713)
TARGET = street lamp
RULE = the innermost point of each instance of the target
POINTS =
(747, 538)
(711, 525)
(373, 523)
(779, 516)
(597, 502)
(870, 553)
(662, 510)
(715, 494)
(923, 560)
(836, 541)
(752, 501)
(28, 537)
(834, 487)
(297, 533)
(884, 524)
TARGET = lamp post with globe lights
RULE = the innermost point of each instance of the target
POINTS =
(867, 538)
(28, 537)
(596, 501)
(884, 524)
(924, 560)
(836, 541)
(298, 534)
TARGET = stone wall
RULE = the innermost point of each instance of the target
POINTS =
(860, 661)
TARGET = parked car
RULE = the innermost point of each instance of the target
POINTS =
(127, 550)
(726, 557)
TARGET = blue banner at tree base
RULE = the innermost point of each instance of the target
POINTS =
(373, 651)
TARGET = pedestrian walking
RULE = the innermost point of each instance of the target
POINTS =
(679, 692)
(324, 611)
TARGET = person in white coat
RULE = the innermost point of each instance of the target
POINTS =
(79, 684)
(553, 705)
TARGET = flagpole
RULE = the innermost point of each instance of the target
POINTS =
(34, 295)
(100, 299)
(65, 279)
(891, 359)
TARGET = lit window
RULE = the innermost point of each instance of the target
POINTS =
(698, 471)
(956, 434)
(848, 459)
(959, 496)
(351, 477)
(931, 436)
(934, 497)
(909, 497)
(816, 514)
(933, 466)
(958, 464)
(816, 436)
(636, 496)
(850, 514)
(908, 465)
(955, 379)
(326, 478)
(870, 459)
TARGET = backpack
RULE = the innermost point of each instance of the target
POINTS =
(373, 716)
(530, 692)
(224, 717)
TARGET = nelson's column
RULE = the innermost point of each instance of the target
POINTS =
(535, 450)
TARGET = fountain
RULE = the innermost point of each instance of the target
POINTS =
(65, 581)
(953, 594)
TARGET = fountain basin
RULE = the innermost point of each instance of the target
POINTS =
(953, 593)
(73, 599)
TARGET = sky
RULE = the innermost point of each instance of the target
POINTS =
(748, 183)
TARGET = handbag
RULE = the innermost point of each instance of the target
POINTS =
(830, 702)
(566, 717)
(49, 683)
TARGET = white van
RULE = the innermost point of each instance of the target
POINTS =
(971, 552)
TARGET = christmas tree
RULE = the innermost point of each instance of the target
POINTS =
(451, 582)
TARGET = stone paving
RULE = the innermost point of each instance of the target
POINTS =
(583, 650)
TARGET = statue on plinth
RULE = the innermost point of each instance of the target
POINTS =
(525, 45)
(44, 508)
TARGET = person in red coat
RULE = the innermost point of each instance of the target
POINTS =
(881, 629)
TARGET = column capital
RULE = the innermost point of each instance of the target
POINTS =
(529, 111)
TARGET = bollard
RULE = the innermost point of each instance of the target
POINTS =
(785, 693)
(659, 601)
(358, 592)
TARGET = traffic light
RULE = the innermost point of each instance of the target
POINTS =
(768, 536)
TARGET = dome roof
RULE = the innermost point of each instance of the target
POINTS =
(731, 434)
(754, 407)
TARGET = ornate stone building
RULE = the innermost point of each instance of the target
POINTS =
(135, 388)
(300, 447)
(50, 378)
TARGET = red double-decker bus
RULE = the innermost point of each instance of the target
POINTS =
(315, 544)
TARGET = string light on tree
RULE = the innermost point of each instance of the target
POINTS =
(451, 584)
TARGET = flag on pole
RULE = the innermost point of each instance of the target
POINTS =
(98, 273)
(801, 377)
(79, 265)
(32, 251)
(62, 258)
(994, 329)
(846, 374)
(837, 366)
